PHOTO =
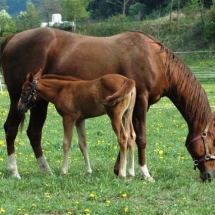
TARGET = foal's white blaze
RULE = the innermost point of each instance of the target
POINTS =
(43, 165)
(12, 167)
(144, 172)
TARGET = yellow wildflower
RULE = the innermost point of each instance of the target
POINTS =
(124, 195)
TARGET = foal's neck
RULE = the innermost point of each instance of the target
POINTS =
(48, 89)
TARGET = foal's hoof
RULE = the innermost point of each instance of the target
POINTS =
(63, 172)
(88, 174)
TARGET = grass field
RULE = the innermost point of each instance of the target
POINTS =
(177, 190)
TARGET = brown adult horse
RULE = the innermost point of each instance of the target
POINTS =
(77, 100)
(157, 71)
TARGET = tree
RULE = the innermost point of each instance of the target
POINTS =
(48, 7)
(192, 8)
(123, 4)
(29, 18)
(7, 24)
(137, 11)
(75, 9)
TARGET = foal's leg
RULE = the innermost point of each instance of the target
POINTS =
(68, 125)
(131, 133)
(127, 121)
(34, 132)
(11, 129)
(122, 138)
(80, 126)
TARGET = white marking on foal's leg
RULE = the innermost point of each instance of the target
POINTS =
(87, 162)
(131, 172)
(144, 172)
(43, 165)
(123, 162)
(12, 167)
(64, 168)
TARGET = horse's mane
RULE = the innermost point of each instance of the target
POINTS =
(185, 83)
(60, 77)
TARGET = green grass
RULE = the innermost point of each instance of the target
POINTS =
(177, 190)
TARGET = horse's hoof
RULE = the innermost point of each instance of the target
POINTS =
(14, 175)
(147, 178)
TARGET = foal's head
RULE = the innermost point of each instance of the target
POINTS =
(202, 149)
(28, 99)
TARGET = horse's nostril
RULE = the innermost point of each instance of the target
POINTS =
(208, 177)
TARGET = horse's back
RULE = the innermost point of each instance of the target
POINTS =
(84, 57)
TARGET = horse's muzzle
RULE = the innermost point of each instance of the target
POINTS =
(207, 175)
(22, 108)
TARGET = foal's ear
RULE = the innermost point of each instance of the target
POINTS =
(39, 73)
(30, 77)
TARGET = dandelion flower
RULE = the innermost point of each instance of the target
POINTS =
(107, 201)
(126, 210)
(124, 195)
(92, 195)
(86, 211)
(160, 152)
(2, 210)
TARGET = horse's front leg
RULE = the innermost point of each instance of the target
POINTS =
(34, 132)
(11, 129)
(68, 125)
(139, 122)
(80, 126)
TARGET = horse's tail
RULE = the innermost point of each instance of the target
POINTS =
(118, 96)
(4, 42)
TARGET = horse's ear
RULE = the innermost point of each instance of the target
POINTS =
(30, 77)
(39, 73)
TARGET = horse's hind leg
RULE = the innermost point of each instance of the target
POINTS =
(80, 126)
(11, 129)
(34, 132)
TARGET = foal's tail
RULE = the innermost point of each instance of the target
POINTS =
(118, 96)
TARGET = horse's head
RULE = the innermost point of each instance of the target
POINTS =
(28, 98)
(202, 149)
